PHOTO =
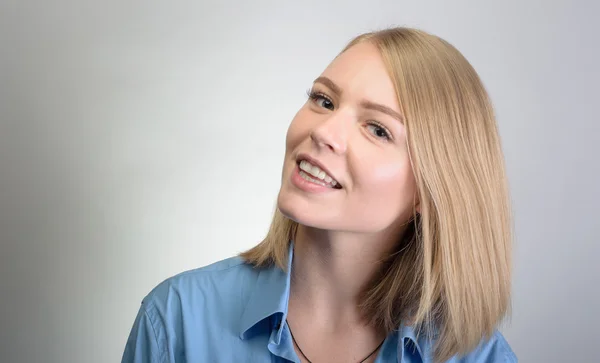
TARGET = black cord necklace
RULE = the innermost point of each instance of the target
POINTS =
(309, 361)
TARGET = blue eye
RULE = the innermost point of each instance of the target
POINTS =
(375, 128)
(379, 131)
(320, 99)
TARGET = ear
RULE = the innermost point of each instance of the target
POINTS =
(417, 203)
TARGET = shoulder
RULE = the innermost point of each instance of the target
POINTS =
(192, 305)
(223, 276)
(214, 287)
(493, 350)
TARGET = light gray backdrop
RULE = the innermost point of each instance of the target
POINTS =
(140, 139)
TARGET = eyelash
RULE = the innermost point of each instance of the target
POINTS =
(316, 96)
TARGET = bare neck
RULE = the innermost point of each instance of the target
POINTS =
(330, 270)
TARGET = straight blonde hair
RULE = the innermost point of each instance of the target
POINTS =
(451, 275)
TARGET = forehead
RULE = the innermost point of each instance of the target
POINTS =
(362, 75)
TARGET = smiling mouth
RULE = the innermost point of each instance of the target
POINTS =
(314, 174)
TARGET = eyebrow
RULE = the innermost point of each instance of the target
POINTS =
(365, 104)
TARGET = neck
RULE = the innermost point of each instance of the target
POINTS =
(331, 270)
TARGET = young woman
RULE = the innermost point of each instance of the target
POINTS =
(391, 238)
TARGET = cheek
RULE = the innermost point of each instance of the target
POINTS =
(391, 178)
(383, 192)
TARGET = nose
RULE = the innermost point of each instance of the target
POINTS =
(331, 133)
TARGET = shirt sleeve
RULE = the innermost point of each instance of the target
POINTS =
(142, 345)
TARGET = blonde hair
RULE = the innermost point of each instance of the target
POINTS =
(451, 274)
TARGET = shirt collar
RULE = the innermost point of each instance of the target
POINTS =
(270, 297)
(409, 339)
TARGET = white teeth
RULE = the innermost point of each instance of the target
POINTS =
(316, 181)
(316, 173)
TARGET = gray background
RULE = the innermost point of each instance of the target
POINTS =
(141, 139)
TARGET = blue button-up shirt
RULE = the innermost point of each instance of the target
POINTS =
(232, 312)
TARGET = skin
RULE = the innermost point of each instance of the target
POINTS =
(343, 233)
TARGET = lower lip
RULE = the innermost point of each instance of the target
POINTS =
(306, 185)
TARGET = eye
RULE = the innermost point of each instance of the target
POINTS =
(379, 131)
(320, 99)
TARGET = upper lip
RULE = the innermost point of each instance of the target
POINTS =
(316, 162)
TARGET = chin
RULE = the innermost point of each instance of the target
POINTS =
(302, 212)
(299, 211)
(288, 208)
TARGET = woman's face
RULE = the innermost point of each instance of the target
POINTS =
(346, 164)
